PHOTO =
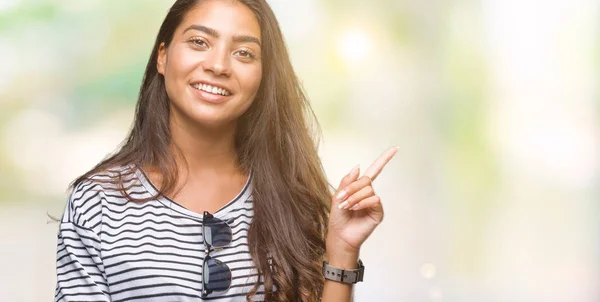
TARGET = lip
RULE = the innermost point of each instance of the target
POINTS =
(212, 84)
(209, 97)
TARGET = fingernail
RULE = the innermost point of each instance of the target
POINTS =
(343, 205)
(353, 170)
(341, 195)
(355, 207)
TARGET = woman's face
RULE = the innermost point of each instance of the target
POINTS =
(212, 68)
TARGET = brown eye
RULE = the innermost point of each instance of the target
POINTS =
(198, 42)
(246, 54)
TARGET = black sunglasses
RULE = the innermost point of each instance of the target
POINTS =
(216, 275)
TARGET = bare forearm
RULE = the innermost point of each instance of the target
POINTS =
(336, 291)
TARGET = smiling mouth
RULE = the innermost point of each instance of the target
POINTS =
(211, 89)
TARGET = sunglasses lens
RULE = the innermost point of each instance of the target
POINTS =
(216, 232)
(216, 275)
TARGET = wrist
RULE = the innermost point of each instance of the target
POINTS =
(342, 257)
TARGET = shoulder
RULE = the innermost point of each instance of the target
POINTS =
(84, 205)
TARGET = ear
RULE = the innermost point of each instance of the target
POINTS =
(162, 58)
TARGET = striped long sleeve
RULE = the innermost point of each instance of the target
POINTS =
(80, 274)
(113, 249)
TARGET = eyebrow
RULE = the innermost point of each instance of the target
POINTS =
(214, 33)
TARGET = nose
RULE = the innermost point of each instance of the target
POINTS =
(217, 61)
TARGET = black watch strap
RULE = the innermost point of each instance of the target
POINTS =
(350, 276)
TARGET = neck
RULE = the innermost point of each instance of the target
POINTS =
(203, 149)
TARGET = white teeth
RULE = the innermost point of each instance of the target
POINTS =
(211, 89)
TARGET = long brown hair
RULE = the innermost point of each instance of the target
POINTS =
(276, 138)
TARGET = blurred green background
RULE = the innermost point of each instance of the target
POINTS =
(493, 195)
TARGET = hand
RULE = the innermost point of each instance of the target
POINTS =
(355, 209)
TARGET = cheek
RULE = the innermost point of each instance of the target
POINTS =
(179, 65)
(250, 83)
(251, 80)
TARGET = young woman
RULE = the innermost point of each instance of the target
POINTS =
(218, 192)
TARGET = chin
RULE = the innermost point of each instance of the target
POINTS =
(213, 121)
(208, 115)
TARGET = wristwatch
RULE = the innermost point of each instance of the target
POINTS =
(350, 276)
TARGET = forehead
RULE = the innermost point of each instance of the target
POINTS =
(226, 17)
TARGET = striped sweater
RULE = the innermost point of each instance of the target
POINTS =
(112, 249)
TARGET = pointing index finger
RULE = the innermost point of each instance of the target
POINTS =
(380, 162)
